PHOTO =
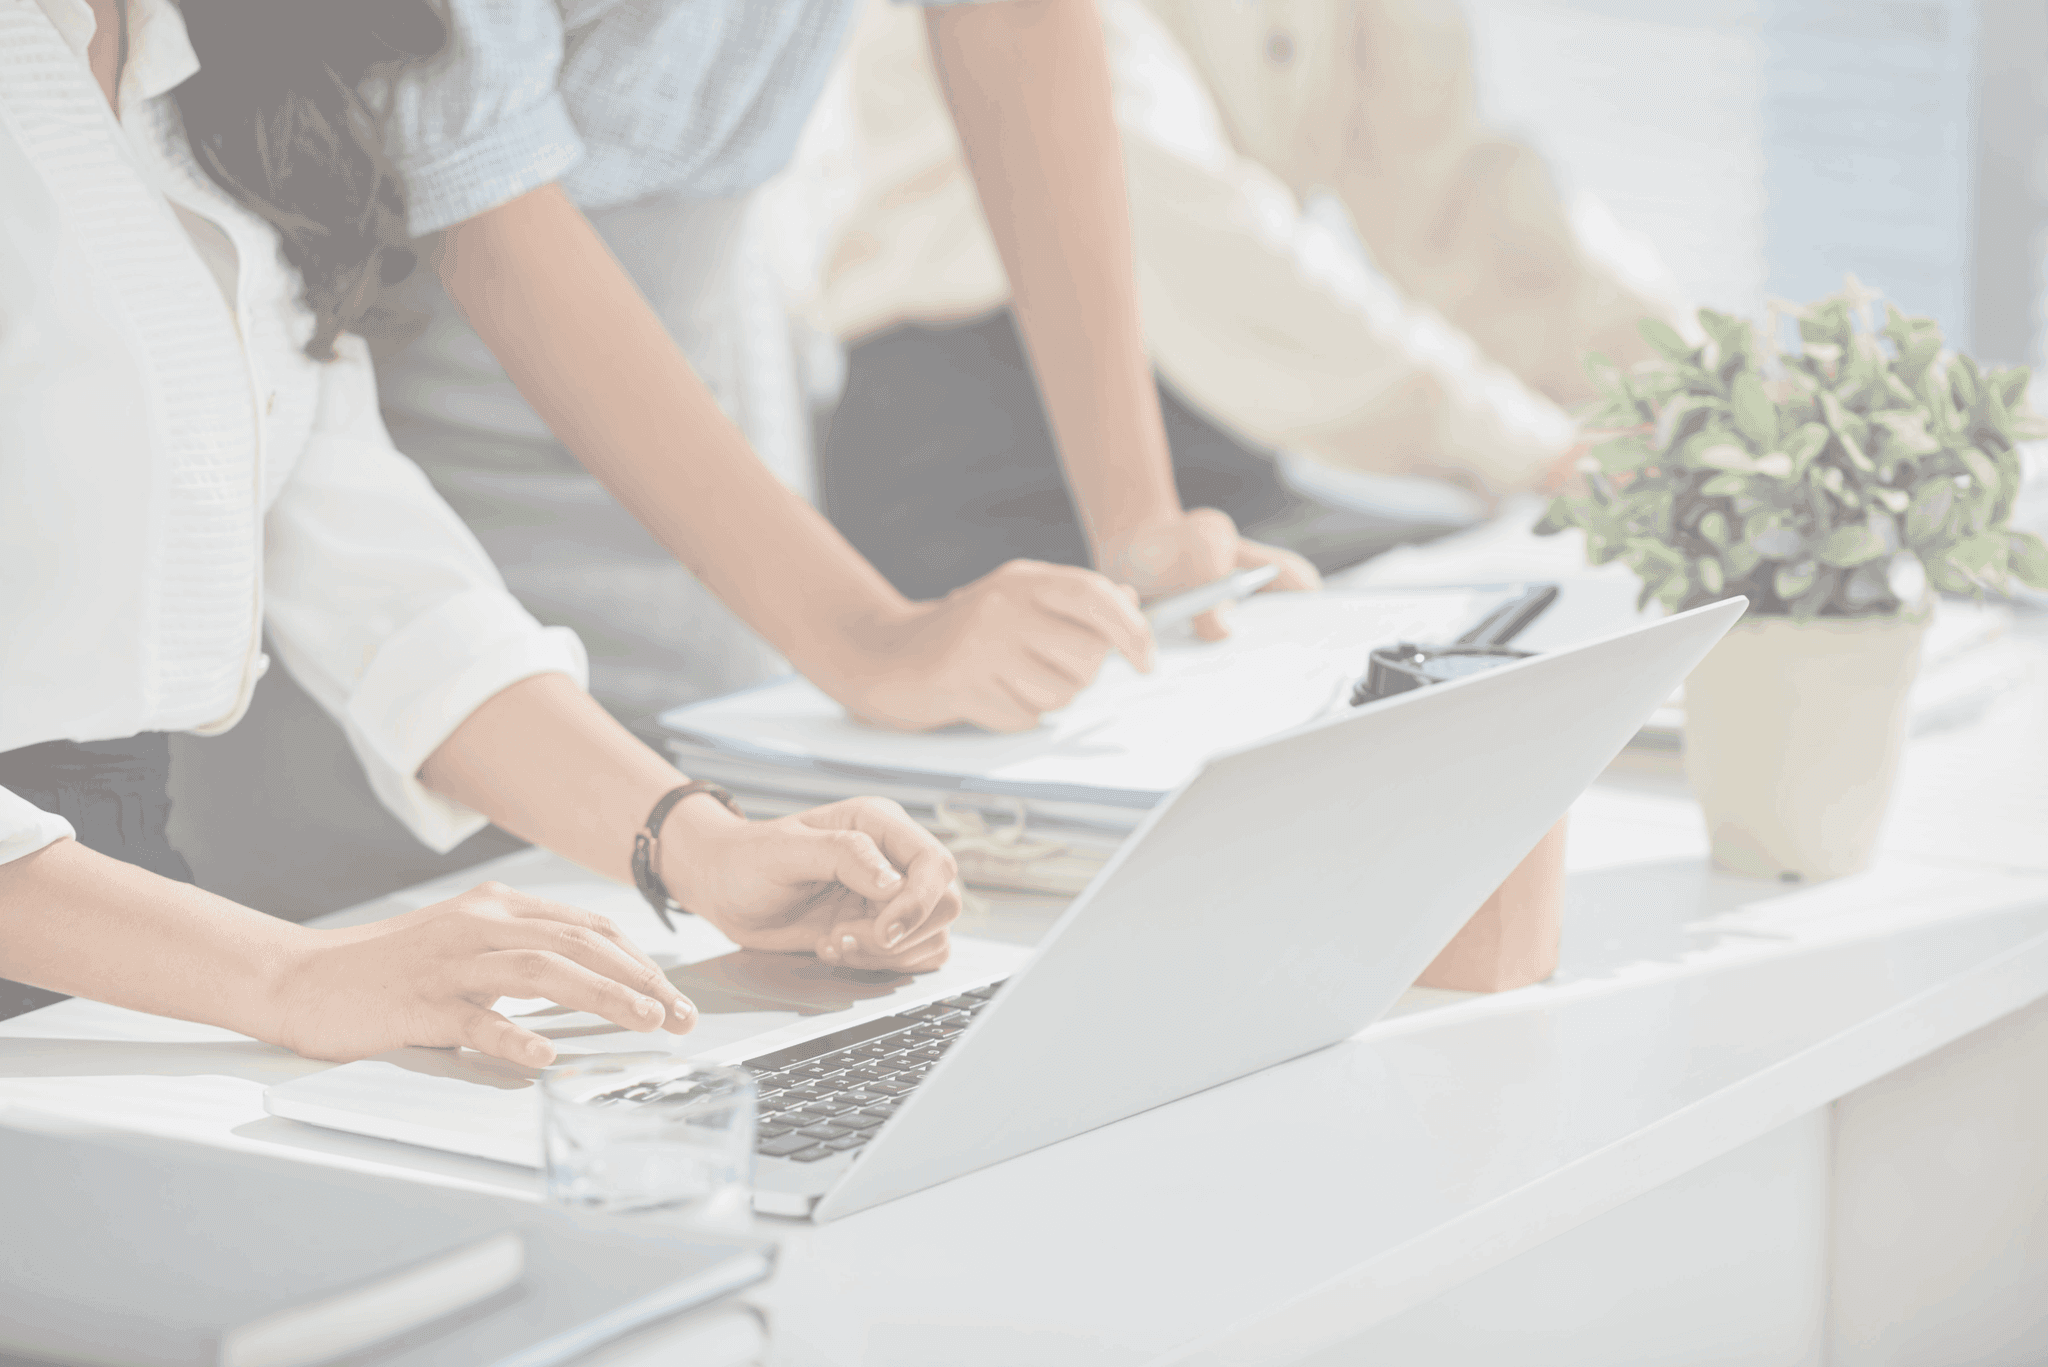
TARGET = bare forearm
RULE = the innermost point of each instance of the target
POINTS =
(545, 762)
(78, 922)
(590, 355)
(1029, 87)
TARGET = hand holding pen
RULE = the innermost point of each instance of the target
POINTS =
(1196, 550)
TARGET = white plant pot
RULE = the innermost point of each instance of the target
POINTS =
(1792, 739)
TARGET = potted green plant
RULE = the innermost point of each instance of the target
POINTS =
(1831, 484)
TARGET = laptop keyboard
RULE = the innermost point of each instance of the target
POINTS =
(830, 1094)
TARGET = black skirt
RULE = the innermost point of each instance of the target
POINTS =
(116, 795)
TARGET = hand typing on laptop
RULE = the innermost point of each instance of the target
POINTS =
(856, 883)
(431, 976)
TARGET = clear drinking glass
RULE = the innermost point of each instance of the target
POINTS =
(649, 1132)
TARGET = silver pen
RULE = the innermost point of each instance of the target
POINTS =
(1177, 608)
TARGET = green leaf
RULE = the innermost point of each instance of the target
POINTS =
(2027, 558)
(1790, 581)
(1941, 408)
(1980, 467)
(1892, 500)
(1713, 529)
(1897, 326)
(1982, 557)
(1808, 442)
(1840, 422)
(1853, 544)
(1916, 354)
(1906, 433)
(1964, 378)
(1756, 417)
(1809, 603)
(1622, 454)
(1946, 577)
(1976, 506)
(1648, 508)
(1673, 414)
(1826, 321)
(1724, 328)
(1665, 339)
(1719, 454)
(2010, 384)
(1708, 571)
(1740, 559)
(1995, 417)
(1556, 518)
(1649, 554)
(1724, 486)
(1929, 510)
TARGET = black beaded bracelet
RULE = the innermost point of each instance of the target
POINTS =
(647, 847)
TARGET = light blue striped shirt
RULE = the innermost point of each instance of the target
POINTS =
(619, 100)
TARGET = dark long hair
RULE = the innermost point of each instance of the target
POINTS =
(275, 118)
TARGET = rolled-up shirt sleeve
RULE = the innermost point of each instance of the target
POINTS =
(26, 828)
(384, 607)
(483, 122)
(1264, 317)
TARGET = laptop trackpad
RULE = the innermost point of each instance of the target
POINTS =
(757, 980)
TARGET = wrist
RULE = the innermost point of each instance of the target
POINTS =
(1111, 542)
(278, 984)
(859, 646)
(693, 838)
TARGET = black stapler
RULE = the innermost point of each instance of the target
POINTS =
(1397, 669)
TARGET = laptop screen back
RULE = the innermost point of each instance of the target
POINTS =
(1279, 902)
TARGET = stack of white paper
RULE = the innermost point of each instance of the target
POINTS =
(1129, 738)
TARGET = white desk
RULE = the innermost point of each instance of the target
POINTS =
(1641, 1161)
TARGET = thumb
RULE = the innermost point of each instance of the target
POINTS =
(850, 858)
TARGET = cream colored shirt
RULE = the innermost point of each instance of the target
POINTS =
(1258, 313)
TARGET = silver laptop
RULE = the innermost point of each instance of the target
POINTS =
(1279, 902)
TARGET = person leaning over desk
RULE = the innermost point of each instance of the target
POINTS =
(550, 142)
(1454, 353)
(190, 450)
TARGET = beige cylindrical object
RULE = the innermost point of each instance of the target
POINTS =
(1512, 940)
(1793, 732)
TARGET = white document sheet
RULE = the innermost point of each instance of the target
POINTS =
(1128, 737)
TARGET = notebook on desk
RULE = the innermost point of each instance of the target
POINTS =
(133, 1249)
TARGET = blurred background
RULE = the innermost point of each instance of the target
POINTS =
(1715, 152)
(1766, 146)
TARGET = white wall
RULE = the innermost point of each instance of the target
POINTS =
(1654, 107)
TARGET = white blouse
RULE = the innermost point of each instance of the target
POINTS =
(176, 475)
